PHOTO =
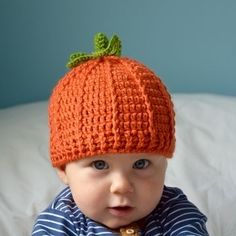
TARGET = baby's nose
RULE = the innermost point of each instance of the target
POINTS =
(121, 184)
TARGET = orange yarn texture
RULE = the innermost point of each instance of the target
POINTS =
(110, 105)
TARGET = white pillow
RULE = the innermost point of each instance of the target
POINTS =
(204, 162)
(27, 181)
(203, 165)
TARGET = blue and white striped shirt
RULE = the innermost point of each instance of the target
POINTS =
(174, 216)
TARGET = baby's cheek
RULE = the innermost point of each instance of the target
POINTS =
(87, 202)
(82, 204)
(152, 191)
(90, 207)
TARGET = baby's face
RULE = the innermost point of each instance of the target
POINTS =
(118, 189)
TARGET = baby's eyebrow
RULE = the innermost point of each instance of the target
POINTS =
(96, 159)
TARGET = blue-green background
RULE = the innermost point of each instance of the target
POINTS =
(191, 44)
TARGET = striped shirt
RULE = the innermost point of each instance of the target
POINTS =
(174, 216)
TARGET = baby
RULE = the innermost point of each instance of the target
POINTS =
(112, 129)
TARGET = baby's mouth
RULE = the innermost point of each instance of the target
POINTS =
(120, 210)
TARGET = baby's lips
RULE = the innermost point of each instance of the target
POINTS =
(121, 207)
(120, 210)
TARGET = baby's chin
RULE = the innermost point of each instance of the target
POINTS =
(120, 218)
(117, 224)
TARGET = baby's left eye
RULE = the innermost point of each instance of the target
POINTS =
(141, 164)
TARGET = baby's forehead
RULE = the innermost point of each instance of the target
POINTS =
(130, 155)
(127, 157)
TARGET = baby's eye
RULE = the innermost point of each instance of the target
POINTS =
(141, 164)
(100, 165)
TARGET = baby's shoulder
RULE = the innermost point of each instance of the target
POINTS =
(173, 200)
(61, 216)
(172, 194)
(63, 201)
(64, 205)
(175, 213)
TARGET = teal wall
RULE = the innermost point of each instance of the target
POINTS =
(191, 44)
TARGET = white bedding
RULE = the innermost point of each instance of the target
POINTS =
(204, 163)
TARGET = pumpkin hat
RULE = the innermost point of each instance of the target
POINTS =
(109, 104)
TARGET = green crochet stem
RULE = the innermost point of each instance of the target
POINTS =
(102, 47)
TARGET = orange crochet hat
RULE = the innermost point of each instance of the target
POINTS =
(109, 104)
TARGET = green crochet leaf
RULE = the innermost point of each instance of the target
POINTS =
(102, 47)
(100, 42)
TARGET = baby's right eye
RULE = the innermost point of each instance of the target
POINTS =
(100, 165)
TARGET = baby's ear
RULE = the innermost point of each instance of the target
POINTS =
(62, 175)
